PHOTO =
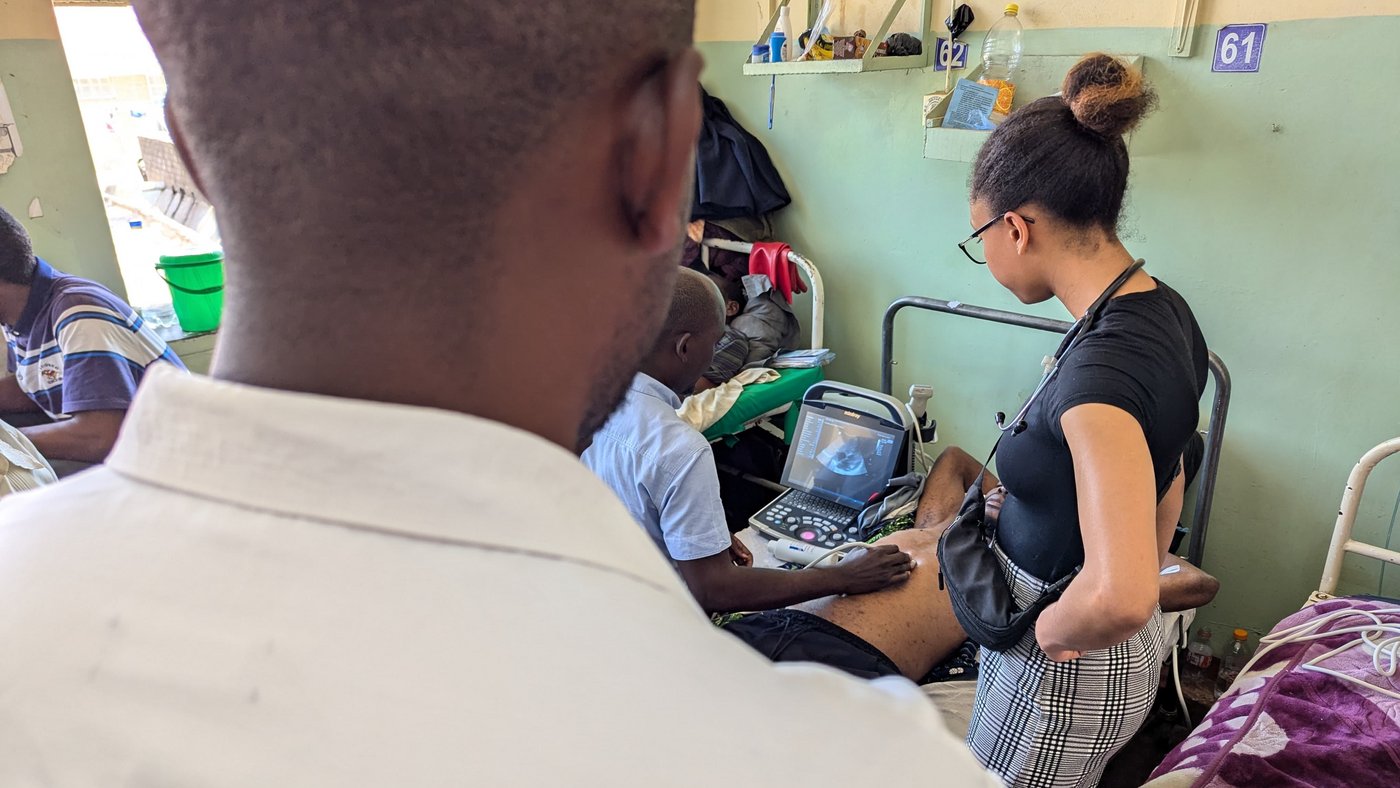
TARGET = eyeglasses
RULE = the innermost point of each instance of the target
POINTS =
(977, 238)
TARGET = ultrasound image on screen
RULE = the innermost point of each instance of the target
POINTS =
(840, 460)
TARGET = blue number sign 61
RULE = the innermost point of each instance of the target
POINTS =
(1239, 47)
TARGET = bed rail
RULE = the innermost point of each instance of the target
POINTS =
(809, 271)
(1342, 543)
(1215, 429)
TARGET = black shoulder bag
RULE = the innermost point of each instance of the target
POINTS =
(967, 566)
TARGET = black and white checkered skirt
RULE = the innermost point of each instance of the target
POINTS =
(1043, 724)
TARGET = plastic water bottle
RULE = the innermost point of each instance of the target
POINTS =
(1199, 654)
(1001, 56)
(1001, 50)
(1233, 662)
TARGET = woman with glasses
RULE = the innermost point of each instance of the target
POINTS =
(1087, 463)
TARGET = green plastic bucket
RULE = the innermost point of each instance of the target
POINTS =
(196, 288)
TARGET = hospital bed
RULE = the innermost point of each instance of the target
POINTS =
(762, 402)
(1319, 704)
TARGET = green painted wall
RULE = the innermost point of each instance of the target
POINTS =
(1268, 200)
(56, 166)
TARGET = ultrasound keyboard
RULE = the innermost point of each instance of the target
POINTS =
(804, 517)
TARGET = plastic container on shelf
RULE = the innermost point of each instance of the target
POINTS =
(780, 43)
(1001, 57)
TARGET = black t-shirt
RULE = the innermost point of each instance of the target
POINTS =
(1144, 354)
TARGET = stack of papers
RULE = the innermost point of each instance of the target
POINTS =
(802, 359)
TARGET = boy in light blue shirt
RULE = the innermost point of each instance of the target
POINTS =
(664, 473)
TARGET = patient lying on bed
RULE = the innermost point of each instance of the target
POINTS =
(910, 628)
(758, 326)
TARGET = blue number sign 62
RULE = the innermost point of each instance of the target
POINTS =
(1239, 47)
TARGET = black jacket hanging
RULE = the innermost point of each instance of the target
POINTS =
(733, 175)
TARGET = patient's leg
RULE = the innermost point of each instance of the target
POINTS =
(1187, 588)
(953, 473)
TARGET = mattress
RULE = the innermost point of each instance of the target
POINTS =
(764, 398)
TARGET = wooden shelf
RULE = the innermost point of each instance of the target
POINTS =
(1041, 75)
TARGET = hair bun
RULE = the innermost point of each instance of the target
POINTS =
(1106, 96)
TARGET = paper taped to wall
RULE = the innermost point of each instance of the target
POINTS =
(971, 107)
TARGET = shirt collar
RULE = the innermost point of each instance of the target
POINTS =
(409, 471)
(39, 289)
(649, 386)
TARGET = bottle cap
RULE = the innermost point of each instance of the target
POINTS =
(1013, 9)
(1240, 634)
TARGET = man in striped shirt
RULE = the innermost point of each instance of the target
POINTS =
(76, 350)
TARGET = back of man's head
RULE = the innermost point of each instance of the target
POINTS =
(694, 323)
(16, 254)
(467, 176)
(697, 307)
(413, 110)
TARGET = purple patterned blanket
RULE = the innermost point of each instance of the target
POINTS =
(1281, 726)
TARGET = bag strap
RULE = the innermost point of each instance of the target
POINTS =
(1071, 340)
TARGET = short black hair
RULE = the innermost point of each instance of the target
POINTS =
(1066, 153)
(17, 261)
(731, 289)
(696, 305)
(465, 91)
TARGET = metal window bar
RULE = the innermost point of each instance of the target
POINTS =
(1215, 428)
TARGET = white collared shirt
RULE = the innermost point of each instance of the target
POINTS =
(273, 589)
(662, 471)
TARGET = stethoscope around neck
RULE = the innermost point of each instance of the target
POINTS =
(1018, 425)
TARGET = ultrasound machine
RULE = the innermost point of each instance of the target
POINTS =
(848, 444)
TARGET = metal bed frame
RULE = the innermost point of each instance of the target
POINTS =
(818, 328)
(1342, 543)
(1215, 428)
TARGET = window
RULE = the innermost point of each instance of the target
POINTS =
(153, 207)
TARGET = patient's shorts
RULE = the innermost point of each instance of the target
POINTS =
(797, 636)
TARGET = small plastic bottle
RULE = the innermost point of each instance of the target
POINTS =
(1199, 654)
(1236, 656)
(779, 48)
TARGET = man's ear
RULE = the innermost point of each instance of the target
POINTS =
(656, 151)
(731, 308)
(683, 345)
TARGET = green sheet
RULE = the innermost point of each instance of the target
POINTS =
(761, 398)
